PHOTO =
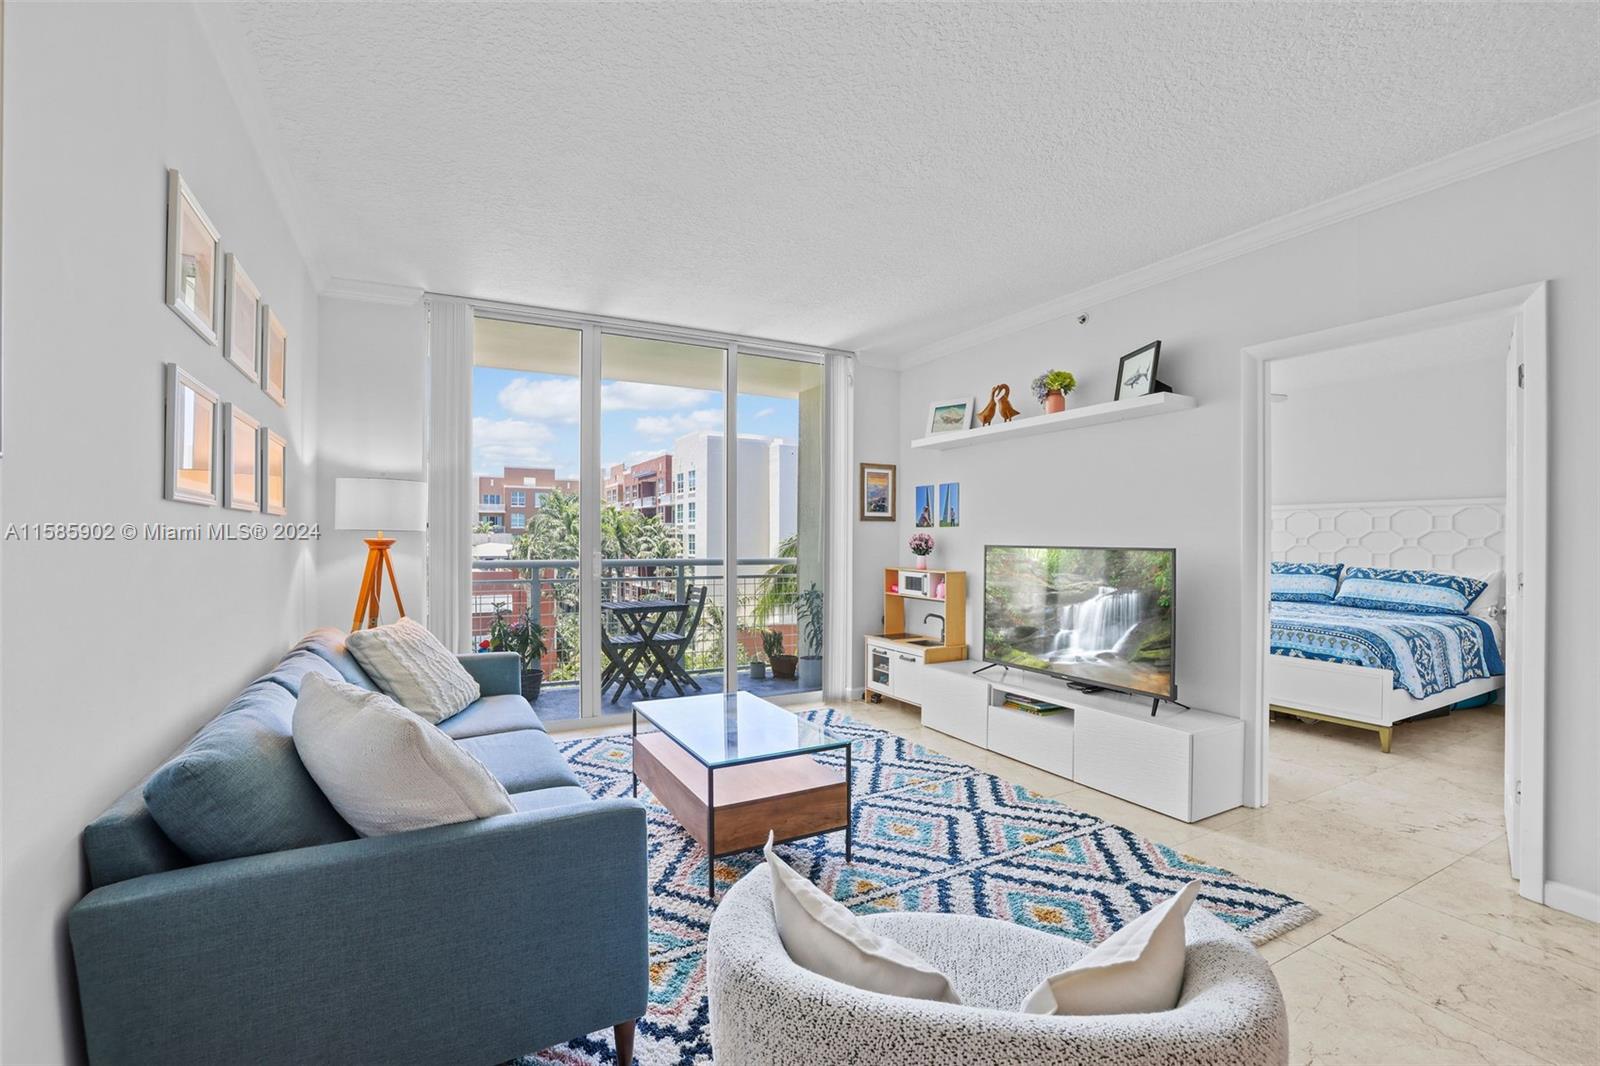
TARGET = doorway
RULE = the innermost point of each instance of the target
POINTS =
(1342, 692)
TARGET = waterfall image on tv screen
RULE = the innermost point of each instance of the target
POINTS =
(1102, 616)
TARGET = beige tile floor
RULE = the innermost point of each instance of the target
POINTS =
(1424, 952)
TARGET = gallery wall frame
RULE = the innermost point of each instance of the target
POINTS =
(241, 459)
(192, 414)
(194, 253)
(241, 320)
(272, 473)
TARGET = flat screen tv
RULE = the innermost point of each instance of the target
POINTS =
(1096, 617)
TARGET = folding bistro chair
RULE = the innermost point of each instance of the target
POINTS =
(622, 652)
(670, 645)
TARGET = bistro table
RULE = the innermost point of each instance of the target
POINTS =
(640, 621)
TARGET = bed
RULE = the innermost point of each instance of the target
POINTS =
(1372, 668)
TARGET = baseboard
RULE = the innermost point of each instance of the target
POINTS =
(1576, 901)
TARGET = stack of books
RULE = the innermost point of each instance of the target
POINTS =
(1031, 705)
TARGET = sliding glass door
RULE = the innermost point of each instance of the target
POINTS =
(649, 510)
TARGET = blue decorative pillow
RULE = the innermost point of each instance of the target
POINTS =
(1412, 591)
(1305, 582)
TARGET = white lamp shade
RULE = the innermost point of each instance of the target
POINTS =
(379, 503)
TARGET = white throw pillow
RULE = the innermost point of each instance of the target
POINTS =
(382, 767)
(409, 663)
(822, 935)
(1136, 970)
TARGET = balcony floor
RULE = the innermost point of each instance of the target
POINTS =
(558, 703)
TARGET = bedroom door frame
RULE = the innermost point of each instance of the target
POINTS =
(1527, 520)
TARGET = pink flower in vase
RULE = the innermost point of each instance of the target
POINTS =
(922, 547)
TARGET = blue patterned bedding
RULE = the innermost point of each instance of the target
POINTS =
(1427, 653)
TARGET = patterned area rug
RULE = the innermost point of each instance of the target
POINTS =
(931, 834)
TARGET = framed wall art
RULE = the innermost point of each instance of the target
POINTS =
(191, 445)
(194, 251)
(877, 492)
(241, 319)
(273, 473)
(241, 459)
(275, 357)
(948, 416)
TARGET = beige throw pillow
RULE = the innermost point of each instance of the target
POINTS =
(409, 663)
(382, 767)
(822, 935)
(1136, 970)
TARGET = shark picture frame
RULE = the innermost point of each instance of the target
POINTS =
(1136, 372)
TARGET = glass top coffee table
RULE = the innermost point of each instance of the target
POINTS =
(732, 768)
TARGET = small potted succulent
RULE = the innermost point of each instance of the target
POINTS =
(809, 610)
(1051, 388)
(758, 665)
(782, 665)
(922, 547)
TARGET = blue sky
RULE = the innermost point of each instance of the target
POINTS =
(522, 419)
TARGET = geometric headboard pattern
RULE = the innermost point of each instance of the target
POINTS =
(1453, 536)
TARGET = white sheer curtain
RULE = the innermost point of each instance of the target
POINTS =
(450, 483)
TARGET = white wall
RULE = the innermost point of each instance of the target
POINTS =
(115, 652)
(1430, 432)
(878, 544)
(1177, 480)
(373, 392)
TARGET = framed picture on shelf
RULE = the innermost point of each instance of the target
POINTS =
(925, 505)
(950, 504)
(191, 445)
(949, 416)
(274, 357)
(194, 249)
(877, 492)
(1136, 372)
(241, 319)
(273, 468)
(241, 458)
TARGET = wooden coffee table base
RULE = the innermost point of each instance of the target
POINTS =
(731, 809)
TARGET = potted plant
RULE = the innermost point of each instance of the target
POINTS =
(526, 638)
(758, 665)
(809, 610)
(922, 547)
(1051, 388)
(782, 665)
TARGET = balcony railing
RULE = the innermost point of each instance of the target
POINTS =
(547, 589)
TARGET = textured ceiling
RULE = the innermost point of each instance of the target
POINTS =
(869, 176)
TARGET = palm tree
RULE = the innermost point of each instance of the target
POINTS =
(778, 586)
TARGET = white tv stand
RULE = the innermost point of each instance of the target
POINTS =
(1187, 764)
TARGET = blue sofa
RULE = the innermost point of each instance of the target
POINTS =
(470, 943)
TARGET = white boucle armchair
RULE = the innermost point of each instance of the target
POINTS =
(768, 1011)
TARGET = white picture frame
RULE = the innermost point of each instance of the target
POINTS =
(241, 320)
(192, 415)
(274, 485)
(274, 357)
(194, 255)
(241, 459)
(949, 416)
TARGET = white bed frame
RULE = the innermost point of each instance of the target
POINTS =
(1454, 536)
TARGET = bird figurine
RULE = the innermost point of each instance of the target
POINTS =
(986, 415)
(1007, 412)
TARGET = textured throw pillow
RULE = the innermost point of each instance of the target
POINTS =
(1305, 582)
(410, 664)
(1411, 591)
(384, 769)
(822, 935)
(1136, 970)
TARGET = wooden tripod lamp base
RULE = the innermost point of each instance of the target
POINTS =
(378, 565)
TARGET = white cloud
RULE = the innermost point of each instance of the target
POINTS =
(558, 399)
(501, 442)
(766, 412)
(662, 427)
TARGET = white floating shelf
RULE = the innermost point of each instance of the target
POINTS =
(1158, 403)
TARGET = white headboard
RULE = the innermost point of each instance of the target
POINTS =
(1452, 536)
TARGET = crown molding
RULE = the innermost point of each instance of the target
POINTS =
(238, 66)
(375, 292)
(1544, 136)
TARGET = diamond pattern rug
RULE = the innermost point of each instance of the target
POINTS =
(931, 834)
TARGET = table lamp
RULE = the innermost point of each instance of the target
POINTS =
(378, 504)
